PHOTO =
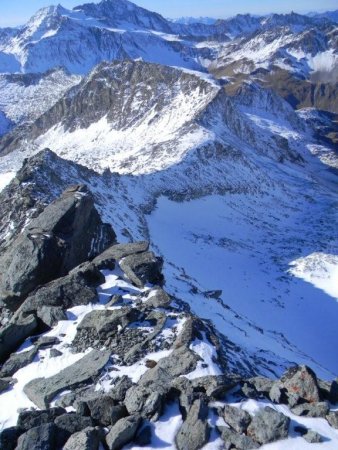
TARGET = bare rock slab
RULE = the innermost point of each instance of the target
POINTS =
(42, 390)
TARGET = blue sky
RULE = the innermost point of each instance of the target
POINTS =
(16, 12)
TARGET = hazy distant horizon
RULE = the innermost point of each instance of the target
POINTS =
(18, 12)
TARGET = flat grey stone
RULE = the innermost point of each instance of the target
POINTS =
(42, 390)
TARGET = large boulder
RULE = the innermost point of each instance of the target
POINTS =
(123, 432)
(194, 433)
(104, 410)
(87, 439)
(42, 390)
(14, 333)
(142, 268)
(38, 438)
(32, 418)
(236, 418)
(68, 232)
(297, 385)
(76, 288)
(268, 425)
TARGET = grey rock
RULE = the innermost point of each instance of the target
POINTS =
(5, 383)
(44, 342)
(32, 418)
(116, 252)
(182, 387)
(118, 393)
(87, 439)
(142, 268)
(16, 361)
(268, 425)
(14, 334)
(9, 438)
(68, 232)
(123, 432)
(312, 437)
(42, 390)
(319, 409)
(329, 390)
(180, 362)
(332, 418)
(107, 321)
(214, 386)
(68, 424)
(194, 433)
(76, 288)
(262, 385)
(38, 438)
(302, 382)
(236, 418)
(51, 315)
(234, 440)
(54, 353)
(104, 411)
(145, 402)
(158, 298)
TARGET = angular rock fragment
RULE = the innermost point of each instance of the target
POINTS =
(13, 334)
(332, 418)
(32, 418)
(319, 409)
(116, 252)
(38, 438)
(194, 433)
(236, 418)
(51, 315)
(268, 425)
(42, 390)
(16, 361)
(123, 432)
(142, 268)
(158, 298)
(87, 439)
(235, 440)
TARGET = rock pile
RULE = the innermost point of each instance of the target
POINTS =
(133, 325)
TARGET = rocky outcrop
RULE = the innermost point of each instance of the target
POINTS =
(68, 232)
(42, 390)
(138, 331)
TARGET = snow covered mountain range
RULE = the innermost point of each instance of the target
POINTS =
(216, 142)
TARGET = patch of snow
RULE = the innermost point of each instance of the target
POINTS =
(5, 179)
(319, 269)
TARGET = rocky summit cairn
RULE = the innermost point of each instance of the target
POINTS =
(135, 349)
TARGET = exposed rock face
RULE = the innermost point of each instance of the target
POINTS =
(319, 409)
(42, 390)
(68, 232)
